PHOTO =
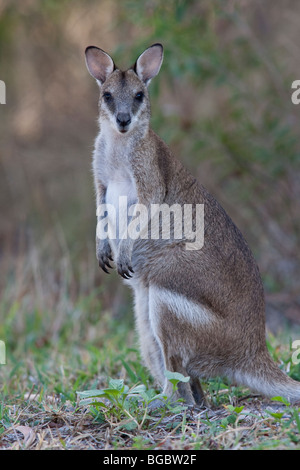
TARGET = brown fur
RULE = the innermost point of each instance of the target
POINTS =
(198, 312)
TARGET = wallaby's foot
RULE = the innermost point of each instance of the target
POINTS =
(198, 393)
(159, 403)
(123, 260)
(156, 404)
(104, 255)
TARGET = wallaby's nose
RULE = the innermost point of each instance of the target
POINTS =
(123, 120)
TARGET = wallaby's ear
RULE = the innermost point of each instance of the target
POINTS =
(149, 62)
(99, 63)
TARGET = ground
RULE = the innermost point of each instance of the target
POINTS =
(41, 406)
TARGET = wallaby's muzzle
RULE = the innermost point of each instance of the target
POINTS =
(123, 121)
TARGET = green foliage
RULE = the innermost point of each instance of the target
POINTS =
(288, 416)
(117, 395)
(222, 101)
(175, 378)
(121, 401)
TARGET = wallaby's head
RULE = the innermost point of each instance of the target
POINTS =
(124, 100)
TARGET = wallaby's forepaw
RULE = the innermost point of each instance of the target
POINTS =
(124, 269)
(104, 255)
(123, 262)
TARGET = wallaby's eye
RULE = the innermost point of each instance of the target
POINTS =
(139, 96)
(107, 96)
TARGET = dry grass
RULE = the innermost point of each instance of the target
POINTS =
(51, 425)
(66, 327)
(60, 345)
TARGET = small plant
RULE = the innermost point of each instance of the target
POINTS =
(232, 417)
(175, 378)
(128, 406)
(115, 396)
(121, 402)
(288, 416)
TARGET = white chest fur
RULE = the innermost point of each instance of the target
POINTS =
(121, 194)
(112, 165)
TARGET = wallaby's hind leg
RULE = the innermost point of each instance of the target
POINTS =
(173, 337)
(150, 349)
(190, 391)
(174, 364)
(163, 323)
(197, 391)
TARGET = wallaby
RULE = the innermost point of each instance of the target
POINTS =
(199, 312)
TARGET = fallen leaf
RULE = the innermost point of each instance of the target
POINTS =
(28, 433)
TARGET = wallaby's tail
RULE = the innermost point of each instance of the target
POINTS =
(265, 378)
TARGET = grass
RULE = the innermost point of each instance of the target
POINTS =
(227, 75)
(73, 379)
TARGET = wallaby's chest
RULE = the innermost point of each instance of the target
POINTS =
(120, 186)
(112, 166)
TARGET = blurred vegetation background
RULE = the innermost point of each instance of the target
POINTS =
(222, 102)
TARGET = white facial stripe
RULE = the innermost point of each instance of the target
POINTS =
(184, 308)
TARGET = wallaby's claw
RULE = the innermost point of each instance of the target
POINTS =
(104, 263)
(102, 266)
(125, 272)
(104, 254)
(125, 275)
